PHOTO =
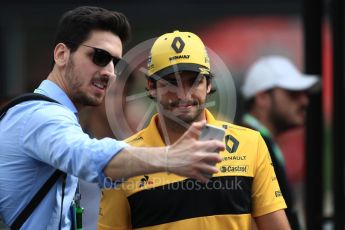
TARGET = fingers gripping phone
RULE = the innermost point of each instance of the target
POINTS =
(210, 132)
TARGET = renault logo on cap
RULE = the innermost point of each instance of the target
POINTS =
(178, 44)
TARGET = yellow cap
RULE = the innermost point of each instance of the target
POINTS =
(178, 51)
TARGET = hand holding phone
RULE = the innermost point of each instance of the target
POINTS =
(210, 132)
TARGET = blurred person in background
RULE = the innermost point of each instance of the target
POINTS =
(276, 96)
(40, 139)
(179, 80)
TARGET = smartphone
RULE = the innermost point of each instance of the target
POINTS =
(210, 132)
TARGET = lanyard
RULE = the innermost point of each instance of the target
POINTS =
(77, 211)
(254, 123)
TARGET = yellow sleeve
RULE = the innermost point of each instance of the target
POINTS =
(266, 194)
(114, 210)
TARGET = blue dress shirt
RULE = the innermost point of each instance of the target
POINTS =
(38, 137)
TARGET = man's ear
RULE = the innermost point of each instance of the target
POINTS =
(151, 88)
(209, 87)
(61, 54)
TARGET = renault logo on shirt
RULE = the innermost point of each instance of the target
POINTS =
(231, 143)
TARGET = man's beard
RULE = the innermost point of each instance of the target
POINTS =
(167, 111)
(78, 95)
(280, 123)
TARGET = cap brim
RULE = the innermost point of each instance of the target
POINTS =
(305, 82)
(181, 67)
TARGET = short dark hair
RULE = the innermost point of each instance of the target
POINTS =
(75, 25)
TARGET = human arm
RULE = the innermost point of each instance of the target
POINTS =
(187, 157)
(273, 221)
(268, 202)
(51, 134)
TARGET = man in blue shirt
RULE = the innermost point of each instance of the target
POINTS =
(38, 137)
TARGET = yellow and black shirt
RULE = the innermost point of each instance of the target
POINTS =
(245, 186)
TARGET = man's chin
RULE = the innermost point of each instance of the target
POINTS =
(288, 127)
(93, 101)
(188, 118)
(178, 117)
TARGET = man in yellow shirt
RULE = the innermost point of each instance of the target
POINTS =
(179, 80)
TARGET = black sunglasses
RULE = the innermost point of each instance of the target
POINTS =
(101, 57)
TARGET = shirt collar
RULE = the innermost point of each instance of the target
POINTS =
(153, 136)
(209, 117)
(52, 90)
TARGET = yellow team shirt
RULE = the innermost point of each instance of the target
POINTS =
(245, 186)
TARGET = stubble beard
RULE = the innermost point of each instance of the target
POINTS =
(182, 119)
(280, 122)
(78, 96)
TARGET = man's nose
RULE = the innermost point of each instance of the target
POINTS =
(108, 72)
(184, 91)
(303, 98)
